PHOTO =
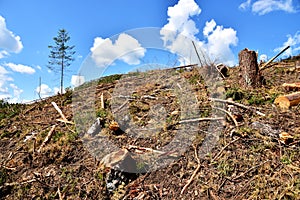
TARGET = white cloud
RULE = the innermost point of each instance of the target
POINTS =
(293, 42)
(11, 92)
(219, 42)
(263, 58)
(245, 5)
(125, 48)
(39, 67)
(3, 54)
(8, 40)
(44, 90)
(4, 78)
(77, 80)
(181, 29)
(209, 27)
(263, 7)
(56, 90)
(20, 68)
(180, 20)
(16, 93)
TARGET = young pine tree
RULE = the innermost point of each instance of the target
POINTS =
(61, 55)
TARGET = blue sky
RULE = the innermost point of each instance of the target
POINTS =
(101, 32)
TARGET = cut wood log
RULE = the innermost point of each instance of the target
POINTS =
(288, 100)
(291, 86)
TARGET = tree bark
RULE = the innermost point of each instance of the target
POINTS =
(249, 69)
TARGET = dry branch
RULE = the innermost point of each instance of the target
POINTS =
(145, 149)
(220, 152)
(229, 114)
(47, 138)
(273, 58)
(63, 117)
(200, 120)
(20, 183)
(288, 100)
(237, 104)
(195, 172)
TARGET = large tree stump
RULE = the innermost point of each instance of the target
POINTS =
(249, 69)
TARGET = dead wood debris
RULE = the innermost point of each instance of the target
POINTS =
(47, 139)
(238, 104)
(194, 173)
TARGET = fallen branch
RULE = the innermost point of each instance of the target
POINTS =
(47, 138)
(200, 120)
(273, 58)
(64, 119)
(229, 114)
(220, 152)
(249, 170)
(144, 149)
(8, 168)
(237, 104)
(59, 194)
(20, 183)
(195, 172)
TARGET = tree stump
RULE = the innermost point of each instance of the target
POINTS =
(249, 68)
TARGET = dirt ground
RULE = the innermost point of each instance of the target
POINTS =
(243, 158)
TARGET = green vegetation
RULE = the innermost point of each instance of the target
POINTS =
(8, 110)
(110, 78)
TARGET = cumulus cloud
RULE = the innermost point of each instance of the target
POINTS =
(220, 40)
(77, 80)
(263, 7)
(16, 93)
(179, 20)
(181, 29)
(209, 27)
(20, 68)
(124, 48)
(44, 90)
(294, 42)
(9, 42)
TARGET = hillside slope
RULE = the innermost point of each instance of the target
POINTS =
(248, 161)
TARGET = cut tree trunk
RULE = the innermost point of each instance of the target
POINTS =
(288, 100)
(291, 86)
(249, 69)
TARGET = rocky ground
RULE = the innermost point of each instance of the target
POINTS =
(44, 156)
